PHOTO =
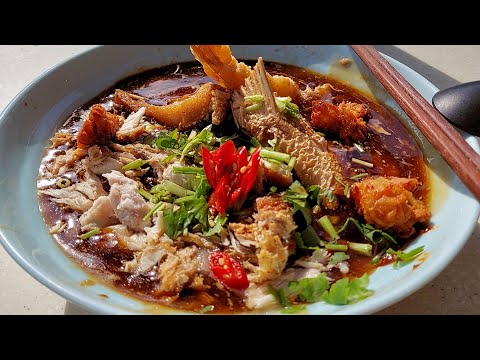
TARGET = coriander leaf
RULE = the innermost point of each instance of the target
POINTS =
(203, 187)
(317, 195)
(220, 220)
(344, 292)
(337, 257)
(202, 214)
(204, 137)
(338, 294)
(358, 289)
(309, 289)
(296, 195)
(172, 221)
(368, 231)
(310, 237)
(279, 295)
(293, 309)
(299, 240)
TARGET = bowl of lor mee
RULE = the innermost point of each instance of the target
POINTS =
(285, 182)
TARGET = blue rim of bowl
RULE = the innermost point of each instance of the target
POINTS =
(383, 301)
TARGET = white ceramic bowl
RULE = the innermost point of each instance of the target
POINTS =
(31, 118)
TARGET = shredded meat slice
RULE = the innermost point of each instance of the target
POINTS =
(70, 197)
(63, 163)
(100, 160)
(99, 215)
(128, 205)
(132, 127)
(389, 204)
(345, 118)
(99, 128)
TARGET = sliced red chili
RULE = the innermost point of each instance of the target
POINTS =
(231, 174)
(209, 166)
(228, 271)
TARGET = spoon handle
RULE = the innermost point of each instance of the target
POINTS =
(461, 157)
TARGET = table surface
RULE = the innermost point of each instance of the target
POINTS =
(454, 291)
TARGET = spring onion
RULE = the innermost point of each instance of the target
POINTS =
(175, 189)
(346, 187)
(255, 142)
(188, 170)
(285, 105)
(145, 194)
(253, 98)
(358, 176)
(157, 207)
(363, 249)
(93, 232)
(291, 163)
(362, 162)
(336, 247)
(378, 257)
(275, 155)
(405, 257)
(184, 199)
(63, 183)
(359, 147)
(327, 225)
(135, 164)
(168, 159)
(254, 107)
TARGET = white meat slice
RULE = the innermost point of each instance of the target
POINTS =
(70, 197)
(141, 240)
(133, 127)
(100, 163)
(129, 206)
(100, 215)
(146, 259)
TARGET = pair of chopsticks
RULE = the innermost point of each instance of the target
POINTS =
(443, 136)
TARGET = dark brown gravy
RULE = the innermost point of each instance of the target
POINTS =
(397, 154)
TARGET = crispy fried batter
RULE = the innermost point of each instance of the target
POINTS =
(220, 105)
(272, 233)
(389, 203)
(219, 63)
(183, 114)
(99, 128)
(345, 118)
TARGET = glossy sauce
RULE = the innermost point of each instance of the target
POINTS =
(396, 154)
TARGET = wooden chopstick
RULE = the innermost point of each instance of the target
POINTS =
(464, 161)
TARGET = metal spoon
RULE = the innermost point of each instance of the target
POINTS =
(460, 105)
